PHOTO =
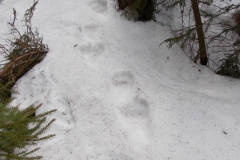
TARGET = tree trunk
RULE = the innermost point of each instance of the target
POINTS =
(200, 34)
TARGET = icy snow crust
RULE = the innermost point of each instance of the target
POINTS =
(119, 95)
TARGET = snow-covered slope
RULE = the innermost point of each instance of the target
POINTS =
(119, 95)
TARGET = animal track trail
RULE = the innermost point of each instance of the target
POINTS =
(90, 30)
(91, 51)
(137, 110)
(91, 47)
(122, 79)
(99, 6)
(122, 86)
(132, 111)
(135, 118)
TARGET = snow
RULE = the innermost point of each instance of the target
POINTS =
(118, 94)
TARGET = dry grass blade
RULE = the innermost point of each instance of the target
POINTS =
(22, 52)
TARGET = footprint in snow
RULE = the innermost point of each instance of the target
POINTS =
(90, 29)
(99, 6)
(122, 86)
(91, 51)
(132, 112)
(91, 48)
(137, 110)
(134, 116)
(123, 78)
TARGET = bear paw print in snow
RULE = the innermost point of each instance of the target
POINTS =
(135, 119)
(93, 51)
(99, 6)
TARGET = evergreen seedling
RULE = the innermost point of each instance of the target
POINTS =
(19, 130)
(230, 65)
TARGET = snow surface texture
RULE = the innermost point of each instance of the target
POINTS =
(118, 94)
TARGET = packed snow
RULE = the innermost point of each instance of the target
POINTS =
(118, 94)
